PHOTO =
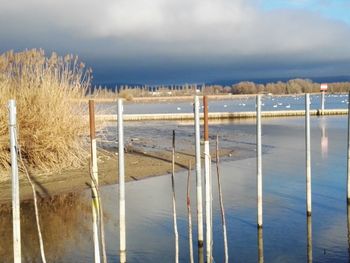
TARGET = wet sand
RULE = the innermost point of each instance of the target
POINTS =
(138, 165)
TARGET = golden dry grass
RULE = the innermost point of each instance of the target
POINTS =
(51, 128)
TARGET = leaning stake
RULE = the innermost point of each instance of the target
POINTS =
(308, 154)
(198, 172)
(94, 195)
(189, 213)
(259, 161)
(174, 201)
(208, 195)
(15, 184)
(223, 219)
(122, 237)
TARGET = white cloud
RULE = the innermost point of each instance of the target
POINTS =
(224, 29)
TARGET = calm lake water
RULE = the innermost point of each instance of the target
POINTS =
(67, 221)
(277, 103)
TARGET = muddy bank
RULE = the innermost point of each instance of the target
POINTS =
(138, 165)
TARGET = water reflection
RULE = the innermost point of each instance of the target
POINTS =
(62, 225)
(324, 139)
(348, 226)
(309, 239)
(260, 245)
(200, 254)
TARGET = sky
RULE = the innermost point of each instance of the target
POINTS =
(178, 41)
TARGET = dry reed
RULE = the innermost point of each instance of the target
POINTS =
(51, 129)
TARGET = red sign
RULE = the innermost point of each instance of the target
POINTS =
(324, 87)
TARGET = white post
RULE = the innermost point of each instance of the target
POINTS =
(308, 154)
(208, 195)
(322, 102)
(198, 172)
(94, 194)
(176, 233)
(259, 161)
(348, 188)
(15, 184)
(122, 238)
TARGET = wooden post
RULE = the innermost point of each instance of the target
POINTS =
(348, 181)
(122, 231)
(94, 194)
(174, 201)
(260, 245)
(309, 239)
(308, 154)
(189, 213)
(259, 161)
(198, 171)
(17, 258)
(208, 188)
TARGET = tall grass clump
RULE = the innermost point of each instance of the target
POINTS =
(50, 127)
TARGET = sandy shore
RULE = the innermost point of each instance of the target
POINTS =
(138, 166)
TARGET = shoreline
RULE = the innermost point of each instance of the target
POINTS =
(138, 165)
(218, 115)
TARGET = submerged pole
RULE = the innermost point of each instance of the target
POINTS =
(308, 154)
(198, 172)
(122, 231)
(94, 194)
(15, 183)
(259, 161)
(208, 188)
(348, 183)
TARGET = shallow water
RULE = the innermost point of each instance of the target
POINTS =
(67, 224)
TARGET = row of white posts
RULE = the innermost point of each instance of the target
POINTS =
(207, 175)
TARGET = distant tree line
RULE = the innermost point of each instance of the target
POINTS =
(292, 86)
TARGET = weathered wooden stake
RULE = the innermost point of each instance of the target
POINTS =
(174, 201)
(259, 161)
(308, 154)
(17, 258)
(94, 195)
(348, 181)
(260, 245)
(223, 219)
(122, 231)
(309, 239)
(198, 172)
(208, 180)
(189, 213)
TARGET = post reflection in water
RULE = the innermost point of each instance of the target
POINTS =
(348, 226)
(62, 226)
(324, 139)
(260, 245)
(309, 239)
(200, 254)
